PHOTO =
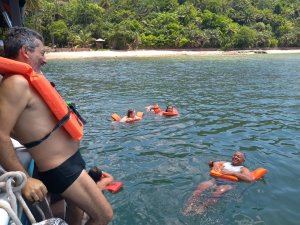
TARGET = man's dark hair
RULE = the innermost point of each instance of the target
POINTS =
(17, 37)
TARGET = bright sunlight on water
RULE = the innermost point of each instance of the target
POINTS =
(248, 103)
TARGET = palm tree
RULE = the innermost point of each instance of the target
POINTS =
(83, 39)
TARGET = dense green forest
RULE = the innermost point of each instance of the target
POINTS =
(131, 24)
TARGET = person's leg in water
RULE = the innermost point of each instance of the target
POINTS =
(216, 195)
(84, 194)
(191, 205)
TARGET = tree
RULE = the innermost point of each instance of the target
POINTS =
(165, 27)
(83, 39)
(186, 13)
(60, 33)
(124, 35)
(244, 38)
(32, 11)
(196, 37)
(32, 5)
(215, 6)
(214, 38)
(83, 13)
(105, 4)
(170, 23)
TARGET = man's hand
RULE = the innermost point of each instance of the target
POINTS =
(34, 190)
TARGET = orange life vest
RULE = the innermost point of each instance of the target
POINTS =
(74, 126)
(173, 113)
(257, 174)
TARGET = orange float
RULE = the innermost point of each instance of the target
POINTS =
(257, 174)
(114, 186)
(173, 113)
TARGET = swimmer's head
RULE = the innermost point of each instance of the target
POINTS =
(130, 113)
(238, 158)
(95, 173)
(156, 108)
(169, 108)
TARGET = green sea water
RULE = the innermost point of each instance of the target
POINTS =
(249, 103)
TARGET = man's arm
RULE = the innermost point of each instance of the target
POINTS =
(13, 101)
(217, 166)
(14, 96)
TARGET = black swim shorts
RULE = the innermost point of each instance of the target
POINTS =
(57, 180)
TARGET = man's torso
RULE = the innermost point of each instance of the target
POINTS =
(34, 123)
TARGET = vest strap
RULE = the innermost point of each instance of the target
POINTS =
(58, 125)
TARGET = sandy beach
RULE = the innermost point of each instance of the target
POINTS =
(156, 53)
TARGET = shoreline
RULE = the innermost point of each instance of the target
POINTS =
(157, 53)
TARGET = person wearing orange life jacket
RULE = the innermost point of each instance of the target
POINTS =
(25, 116)
(170, 110)
(234, 168)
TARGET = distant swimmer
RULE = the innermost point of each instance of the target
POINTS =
(154, 108)
(234, 171)
(131, 116)
(169, 111)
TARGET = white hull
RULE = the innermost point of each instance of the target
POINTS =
(4, 218)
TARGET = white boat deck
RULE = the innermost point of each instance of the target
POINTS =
(4, 218)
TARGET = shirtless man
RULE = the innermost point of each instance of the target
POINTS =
(233, 168)
(25, 116)
(155, 108)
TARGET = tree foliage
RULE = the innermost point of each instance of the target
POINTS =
(130, 24)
